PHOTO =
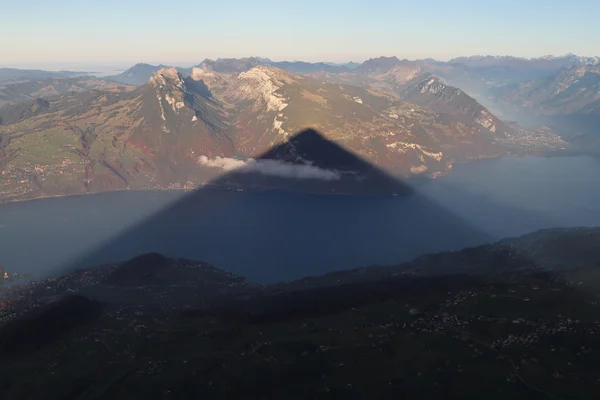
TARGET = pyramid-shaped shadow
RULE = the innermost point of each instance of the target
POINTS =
(254, 233)
(357, 176)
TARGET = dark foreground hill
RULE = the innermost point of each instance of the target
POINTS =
(517, 319)
(44, 326)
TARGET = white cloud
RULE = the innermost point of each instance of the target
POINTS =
(270, 167)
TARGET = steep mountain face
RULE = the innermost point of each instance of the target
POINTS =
(27, 91)
(177, 132)
(95, 141)
(409, 81)
(373, 125)
(569, 91)
(13, 75)
(429, 91)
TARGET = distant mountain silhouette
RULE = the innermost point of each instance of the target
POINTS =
(136, 75)
(300, 67)
(378, 65)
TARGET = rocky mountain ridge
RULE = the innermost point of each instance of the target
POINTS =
(154, 136)
(169, 132)
(569, 91)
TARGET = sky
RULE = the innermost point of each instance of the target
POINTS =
(66, 33)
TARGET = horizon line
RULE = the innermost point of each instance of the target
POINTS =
(189, 64)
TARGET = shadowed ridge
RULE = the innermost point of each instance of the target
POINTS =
(548, 257)
(41, 327)
(170, 230)
(481, 326)
(154, 269)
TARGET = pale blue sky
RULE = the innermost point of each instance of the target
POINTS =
(123, 32)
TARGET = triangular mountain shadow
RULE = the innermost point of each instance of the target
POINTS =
(311, 233)
(355, 176)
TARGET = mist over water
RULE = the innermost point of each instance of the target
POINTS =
(271, 236)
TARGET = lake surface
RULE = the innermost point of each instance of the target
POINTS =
(271, 236)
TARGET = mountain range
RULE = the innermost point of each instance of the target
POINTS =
(180, 127)
(485, 78)
(141, 73)
(15, 75)
(42, 88)
(178, 132)
(574, 90)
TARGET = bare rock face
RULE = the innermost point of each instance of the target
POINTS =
(261, 84)
(164, 75)
(199, 73)
(430, 91)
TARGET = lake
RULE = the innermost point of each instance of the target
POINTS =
(272, 236)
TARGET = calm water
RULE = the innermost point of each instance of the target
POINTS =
(270, 236)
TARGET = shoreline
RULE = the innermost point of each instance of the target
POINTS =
(412, 182)
(208, 187)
